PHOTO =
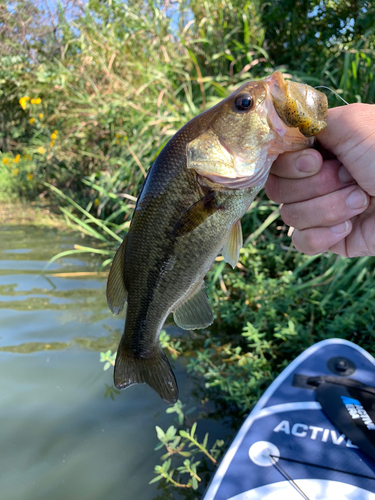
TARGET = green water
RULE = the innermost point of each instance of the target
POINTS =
(61, 438)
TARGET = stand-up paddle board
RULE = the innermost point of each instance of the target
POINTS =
(289, 448)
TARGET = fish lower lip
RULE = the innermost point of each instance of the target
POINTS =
(258, 179)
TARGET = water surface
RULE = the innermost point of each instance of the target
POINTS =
(62, 437)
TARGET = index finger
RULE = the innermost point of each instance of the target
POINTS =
(297, 164)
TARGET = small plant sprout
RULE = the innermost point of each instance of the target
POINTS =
(171, 345)
(108, 359)
(178, 409)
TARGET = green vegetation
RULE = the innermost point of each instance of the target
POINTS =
(184, 445)
(89, 98)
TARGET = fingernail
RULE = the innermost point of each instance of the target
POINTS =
(340, 228)
(345, 175)
(307, 163)
(356, 199)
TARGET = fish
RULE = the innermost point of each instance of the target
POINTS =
(189, 210)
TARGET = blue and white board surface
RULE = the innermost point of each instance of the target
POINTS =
(288, 449)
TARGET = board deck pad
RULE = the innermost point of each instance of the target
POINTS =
(288, 448)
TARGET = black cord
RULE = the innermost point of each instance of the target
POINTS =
(286, 476)
(322, 467)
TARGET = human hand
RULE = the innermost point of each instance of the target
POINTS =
(331, 202)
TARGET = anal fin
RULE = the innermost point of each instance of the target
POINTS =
(116, 291)
(154, 370)
(195, 312)
(231, 249)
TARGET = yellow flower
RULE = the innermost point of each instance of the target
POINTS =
(53, 136)
(32, 120)
(32, 101)
(17, 159)
(118, 136)
(23, 101)
(40, 150)
(5, 160)
(41, 116)
(30, 177)
(27, 157)
(15, 171)
(52, 143)
(38, 100)
(96, 202)
(56, 132)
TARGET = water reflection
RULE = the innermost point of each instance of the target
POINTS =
(65, 432)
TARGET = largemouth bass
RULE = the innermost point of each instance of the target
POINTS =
(189, 210)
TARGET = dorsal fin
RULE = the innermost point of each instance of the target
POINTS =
(231, 249)
(196, 215)
(116, 291)
(195, 312)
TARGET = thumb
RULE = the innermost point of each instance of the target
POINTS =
(350, 135)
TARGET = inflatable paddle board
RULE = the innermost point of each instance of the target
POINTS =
(289, 448)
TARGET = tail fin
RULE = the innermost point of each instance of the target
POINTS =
(154, 371)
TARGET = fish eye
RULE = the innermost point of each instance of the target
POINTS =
(244, 102)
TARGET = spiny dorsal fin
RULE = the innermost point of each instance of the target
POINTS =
(231, 250)
(195, 312)
(154, 370)
(116, 291)
(195, 215)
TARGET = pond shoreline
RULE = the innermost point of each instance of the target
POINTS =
(34, 213)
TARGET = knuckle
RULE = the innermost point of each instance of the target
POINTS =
(328, 174)
(305, 242)
(329, 216)
(289, 214)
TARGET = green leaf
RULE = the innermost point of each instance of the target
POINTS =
(155, 479)
(193, 429)
(171, 432)
(160, 433)
(194, 483)
(166, 465)
(185, 453)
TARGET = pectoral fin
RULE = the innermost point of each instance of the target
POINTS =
(116, 291)
(232, 247)
(195, 312)
(196, 215)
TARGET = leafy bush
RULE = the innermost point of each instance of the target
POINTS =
(96, 95)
